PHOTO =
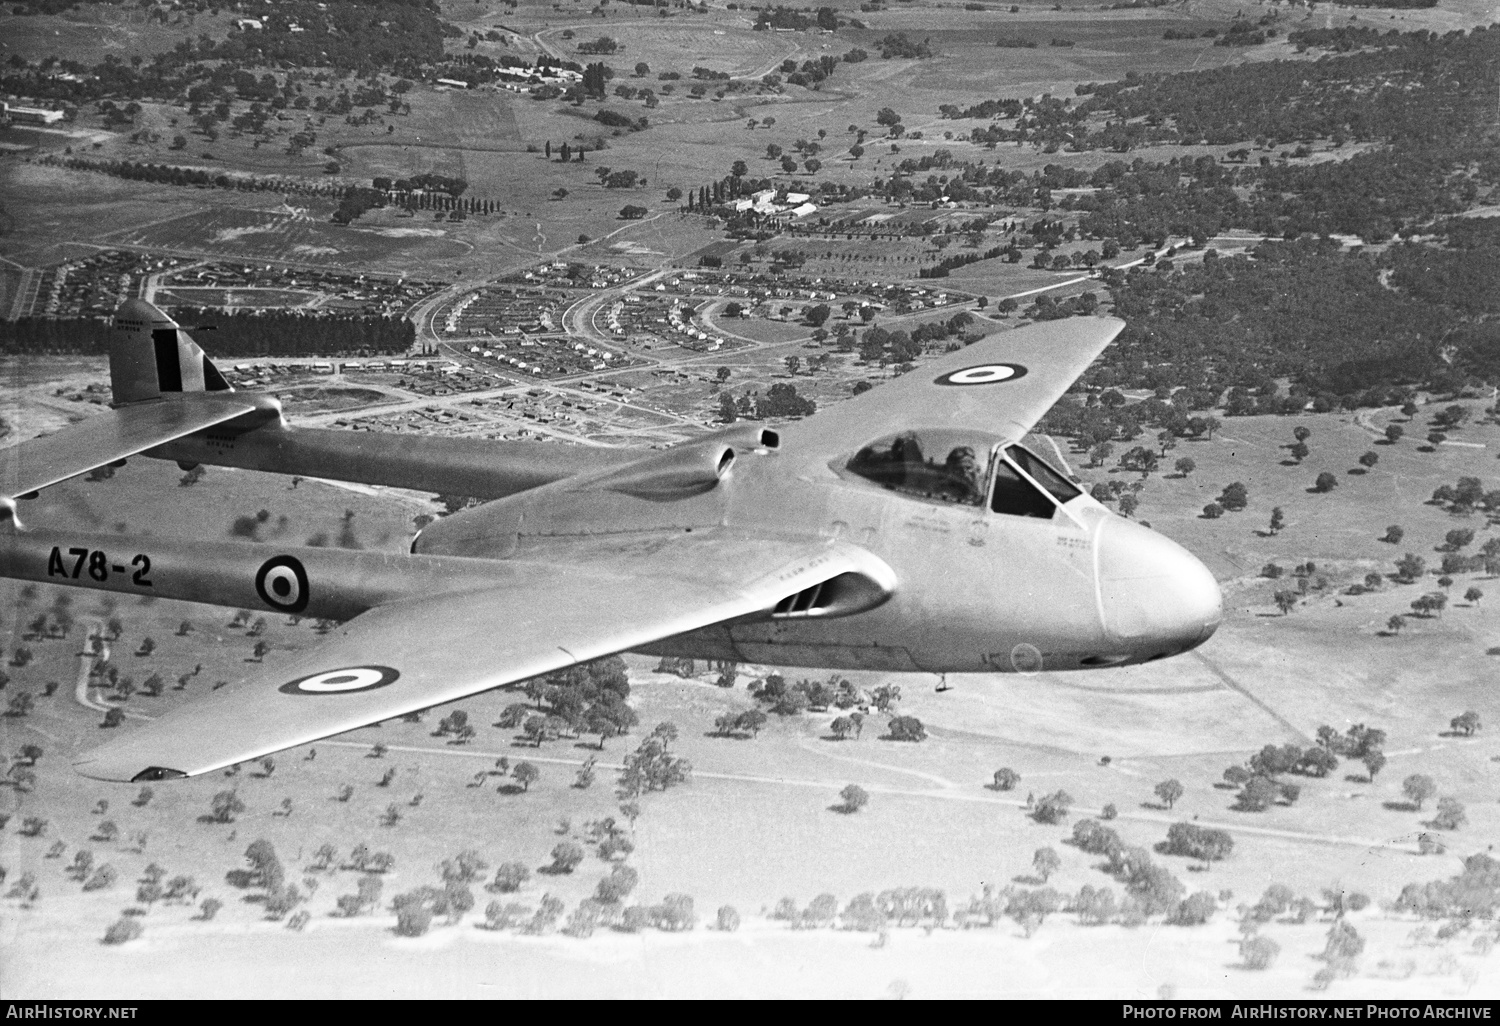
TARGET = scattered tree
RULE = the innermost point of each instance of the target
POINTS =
(1418, 788)
(1169, 791)
(1052, 808)
(527, 774)
(124, 930)
(510, 877)
(1045, 862)
(906, 728)
(1450, 814)
(227, 805)
(1465, 723)
(566, 857)
(853, 798)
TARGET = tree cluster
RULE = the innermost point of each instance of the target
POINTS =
(651, 767)
(1472, 894)
(590, 698)
(1197, 842)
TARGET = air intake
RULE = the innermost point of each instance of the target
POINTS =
(842, 595)
(807, 600)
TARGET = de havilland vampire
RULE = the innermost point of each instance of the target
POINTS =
(905, 529)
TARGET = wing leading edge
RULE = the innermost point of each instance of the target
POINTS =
(415, 653)
(1002, 384)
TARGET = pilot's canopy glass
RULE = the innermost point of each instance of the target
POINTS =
(942, 465)
(954, 467)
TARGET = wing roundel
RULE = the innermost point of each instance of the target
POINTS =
(1001, 385)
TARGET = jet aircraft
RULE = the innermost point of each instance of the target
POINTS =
(906, 529)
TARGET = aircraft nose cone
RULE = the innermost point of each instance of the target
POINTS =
(1153, 591)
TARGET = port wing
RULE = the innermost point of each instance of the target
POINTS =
(413, 653)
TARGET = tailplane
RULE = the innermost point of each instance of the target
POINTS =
(150, 355)
(164, 389)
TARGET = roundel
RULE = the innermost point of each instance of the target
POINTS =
(982, 374)
(281, 584)
(342, 681)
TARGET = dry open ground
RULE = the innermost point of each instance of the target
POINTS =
(755, 824)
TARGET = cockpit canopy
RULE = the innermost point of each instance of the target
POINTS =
(964, 468)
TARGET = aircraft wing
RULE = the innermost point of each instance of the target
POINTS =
(1002, 384)
(418, 652)
(113, 436)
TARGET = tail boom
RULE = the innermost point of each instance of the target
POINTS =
(334, 584)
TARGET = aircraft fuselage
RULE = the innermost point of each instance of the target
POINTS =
(977, 590)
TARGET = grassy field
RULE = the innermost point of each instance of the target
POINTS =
(399, 246)
(722, 46)
(1262, 679)
(88, 33)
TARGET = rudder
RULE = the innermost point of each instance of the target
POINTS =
(151, 355)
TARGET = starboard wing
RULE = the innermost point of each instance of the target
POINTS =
(113, 436)
(415, 653)
(1002, 384)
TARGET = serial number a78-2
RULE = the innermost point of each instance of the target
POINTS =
(97, 565)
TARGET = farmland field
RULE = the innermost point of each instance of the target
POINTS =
(732, 50)
(182, 295)
(265, 234)
(466, 192)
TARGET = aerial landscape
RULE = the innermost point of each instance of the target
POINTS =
(654, 250)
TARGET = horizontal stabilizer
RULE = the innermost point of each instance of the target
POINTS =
(115, 435)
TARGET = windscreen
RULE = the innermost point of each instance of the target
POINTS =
(1017, 497)
(1043, 474)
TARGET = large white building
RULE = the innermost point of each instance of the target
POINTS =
(30, 115)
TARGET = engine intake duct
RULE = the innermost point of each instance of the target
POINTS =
(675, 473)
(841, 595)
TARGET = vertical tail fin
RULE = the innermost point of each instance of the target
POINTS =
(150, 355)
